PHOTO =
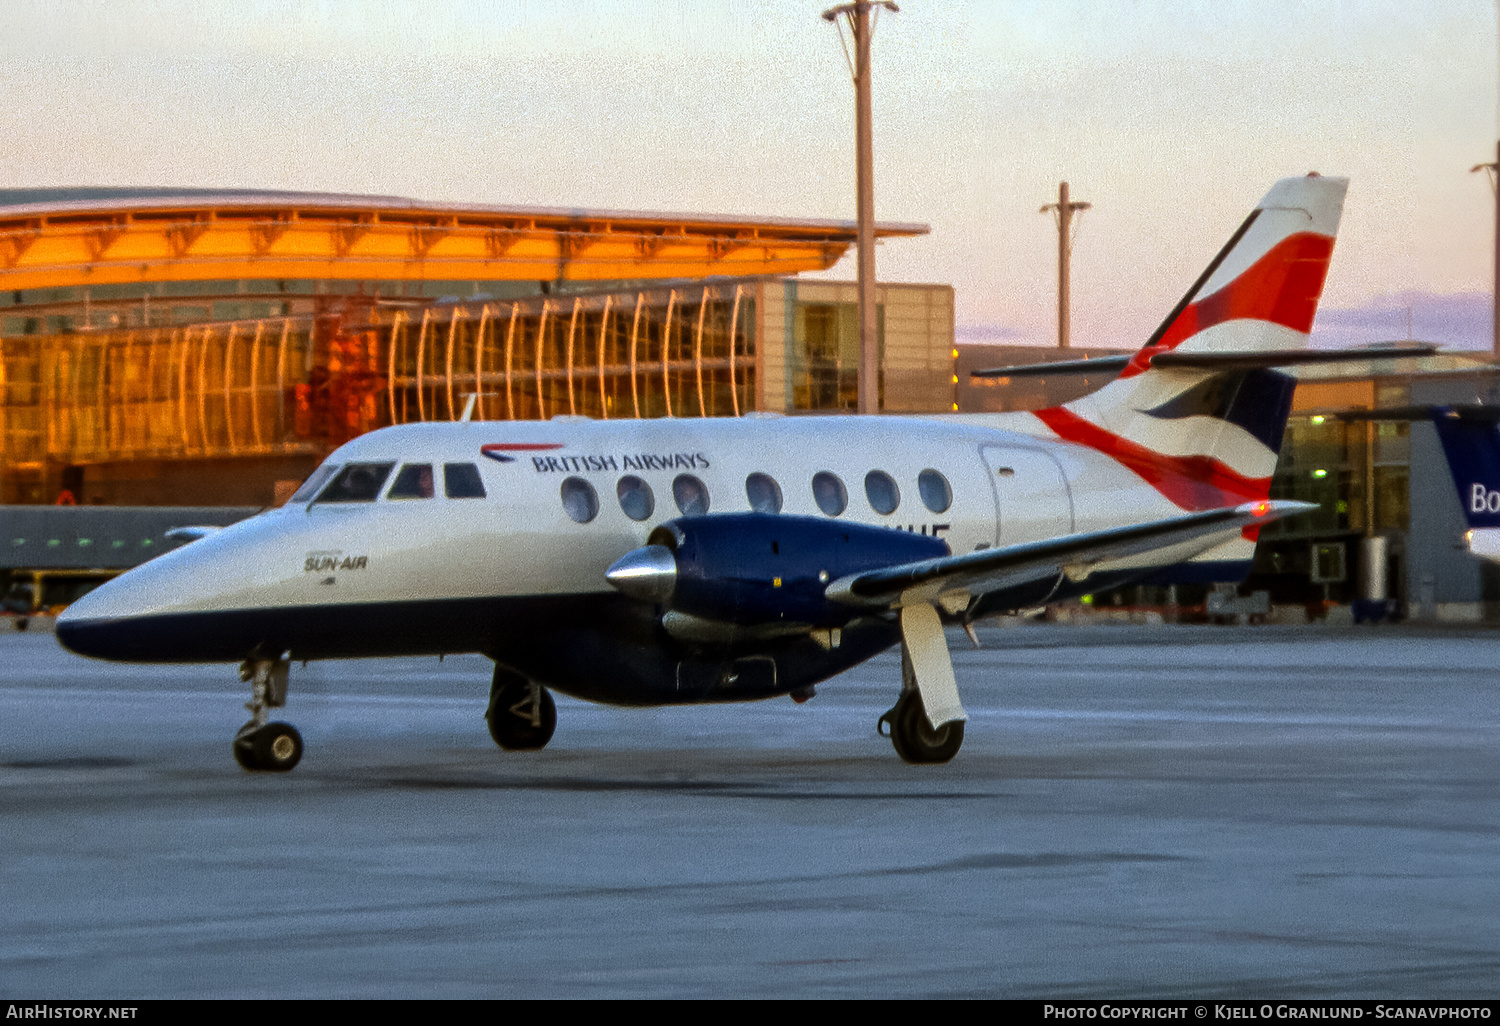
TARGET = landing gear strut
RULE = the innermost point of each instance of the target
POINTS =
(260, 745)
(911, 733)
(522, 715)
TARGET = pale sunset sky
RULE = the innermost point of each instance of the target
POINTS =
(1172, 118)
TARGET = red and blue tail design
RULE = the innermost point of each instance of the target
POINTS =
(1210, 438)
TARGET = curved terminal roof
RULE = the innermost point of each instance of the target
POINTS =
(69, 237)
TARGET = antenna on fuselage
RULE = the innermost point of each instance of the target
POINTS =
(471, 399)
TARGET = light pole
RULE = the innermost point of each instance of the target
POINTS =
(1065, 209)
(1494, 173)
(857, 15)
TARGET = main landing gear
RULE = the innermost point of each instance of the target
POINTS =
(522, 715)
(911, 733)
(260, 745)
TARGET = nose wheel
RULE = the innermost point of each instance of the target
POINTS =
(259, 744)
(522, 715)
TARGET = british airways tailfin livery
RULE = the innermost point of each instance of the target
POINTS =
(1470, 437)
(670, 561)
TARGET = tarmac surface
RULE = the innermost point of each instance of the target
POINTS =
(1137, 812)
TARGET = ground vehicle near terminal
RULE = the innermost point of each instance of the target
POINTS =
(793, 548)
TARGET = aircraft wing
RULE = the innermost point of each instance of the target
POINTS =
(1076, 555)
(917, 588)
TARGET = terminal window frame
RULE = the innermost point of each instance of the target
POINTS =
(462, 481)
(410, 483)
(356, 482)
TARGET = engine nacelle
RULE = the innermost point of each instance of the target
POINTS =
(750, 569)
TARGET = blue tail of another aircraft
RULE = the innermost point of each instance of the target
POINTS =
(1472, 445)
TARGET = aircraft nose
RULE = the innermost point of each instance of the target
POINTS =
(98, 624)
(131, 616)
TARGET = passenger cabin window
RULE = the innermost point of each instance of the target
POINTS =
(763, 492)
(579, 500)
(414, 481)
(461, 481)
(829, 493)
(881, 490)
(690, 494)
(312, 484)
(635, 497)
(937, 494)
(357, 482)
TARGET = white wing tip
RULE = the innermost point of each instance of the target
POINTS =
(1274, 509)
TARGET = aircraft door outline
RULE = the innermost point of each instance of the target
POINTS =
(1032, 497)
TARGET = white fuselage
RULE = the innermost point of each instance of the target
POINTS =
(519, 541)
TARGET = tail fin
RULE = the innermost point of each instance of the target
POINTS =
(1205, 438)
(1472, 445)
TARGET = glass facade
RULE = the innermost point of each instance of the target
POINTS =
(301, 385)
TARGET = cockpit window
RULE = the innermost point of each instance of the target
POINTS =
(461, 481)
(413, 482)
(357, 482)
(310, 487)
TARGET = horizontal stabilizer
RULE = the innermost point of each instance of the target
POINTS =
(1208, 361)
(1096, 365)
(1073, 554)
(1292, 358)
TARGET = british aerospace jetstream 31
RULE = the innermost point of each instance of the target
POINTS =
(689, 561)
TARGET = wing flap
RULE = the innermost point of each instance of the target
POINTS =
(1076, 555)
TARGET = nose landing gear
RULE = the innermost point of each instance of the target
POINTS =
(260, 745)
(522, 715)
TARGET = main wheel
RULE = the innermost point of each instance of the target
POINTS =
(276, 747)
(522, 715)
(913, 736)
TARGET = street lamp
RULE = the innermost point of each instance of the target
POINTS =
(1494, 169)
(857, 15)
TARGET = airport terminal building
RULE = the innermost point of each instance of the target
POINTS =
(195, 348)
